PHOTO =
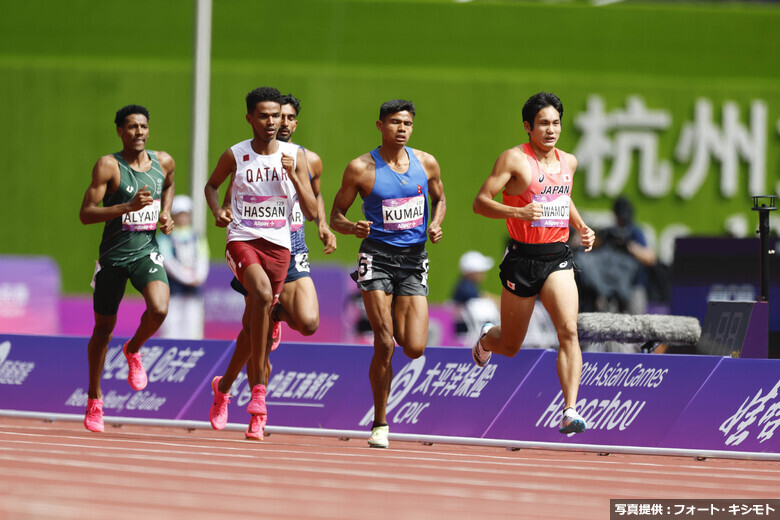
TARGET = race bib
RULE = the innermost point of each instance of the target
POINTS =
(365, 267)
(302, 263)
(264, 211)
(145, 219)
(555, 211)
(405, 213)
(296, 217)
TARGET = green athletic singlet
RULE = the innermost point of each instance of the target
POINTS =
(132, 235)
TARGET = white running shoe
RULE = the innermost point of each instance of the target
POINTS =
(572, 422)
(478, 353)
(378, 437)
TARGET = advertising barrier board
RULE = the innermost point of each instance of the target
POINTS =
(630, 400)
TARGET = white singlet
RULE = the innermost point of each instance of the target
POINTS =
(263, 195)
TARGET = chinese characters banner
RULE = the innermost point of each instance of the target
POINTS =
(667, 401)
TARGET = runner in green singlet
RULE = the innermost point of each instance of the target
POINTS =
(135, 187)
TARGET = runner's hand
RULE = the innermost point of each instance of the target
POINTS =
(531, 212)
(435, 233)
(288, 164)
(587, 238)
(328, 239)
(166, 222)
(143, 198)
(224, 217)
(362, 228)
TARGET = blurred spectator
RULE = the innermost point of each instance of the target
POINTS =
(614, 277)
(473, 306)
(186, 260)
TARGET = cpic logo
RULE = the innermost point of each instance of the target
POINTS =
(403, 382)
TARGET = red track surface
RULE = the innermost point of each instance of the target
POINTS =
(59, 470)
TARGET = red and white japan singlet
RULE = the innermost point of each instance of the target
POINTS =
(553, 191)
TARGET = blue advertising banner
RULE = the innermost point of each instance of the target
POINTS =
(444, 393)
(309, 384)
(737, 408)
(327, 386)
(637, 400)
(49, 374)
(626, 399)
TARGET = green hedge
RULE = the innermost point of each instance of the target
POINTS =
(67, 67)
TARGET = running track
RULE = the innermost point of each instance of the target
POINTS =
(59, 470)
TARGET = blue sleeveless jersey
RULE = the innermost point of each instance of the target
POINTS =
(298, 242)
(398, 203)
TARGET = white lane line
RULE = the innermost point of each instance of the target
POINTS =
(323, 478)
(308, 466)
(202, 453)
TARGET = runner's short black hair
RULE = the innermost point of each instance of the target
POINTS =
(396, 105)
(261, 94)
(125, 111)
(539, 101)
(289, 99)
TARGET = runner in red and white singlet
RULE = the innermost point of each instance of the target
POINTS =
(267, 176)
(536, 179)
(553, 192)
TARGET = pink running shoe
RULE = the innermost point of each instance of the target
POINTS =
(256, 429)
(93, 419)
(276, 337)
(218, 414)
(257, 402)
(136, 374)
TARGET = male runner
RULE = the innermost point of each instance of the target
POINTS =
(537, 179)
(394, 182)
(268, 175)
(297, 304)
(136, 189)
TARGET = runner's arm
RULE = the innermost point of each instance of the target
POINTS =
(327, 237)
(436, 194)
(168, 166)
(91, 211)
(224, 169)
(510, 166)
(344, 199)
(587, 236)
(300, 180)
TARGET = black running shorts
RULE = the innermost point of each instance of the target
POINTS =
(525, 267)
(402, 271)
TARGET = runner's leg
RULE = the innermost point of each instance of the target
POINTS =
(378, 306)
(516, 313)
(560, 298)
(299, 306)
(96, 352)
(156, 294)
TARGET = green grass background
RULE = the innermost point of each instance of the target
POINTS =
(67, 67)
